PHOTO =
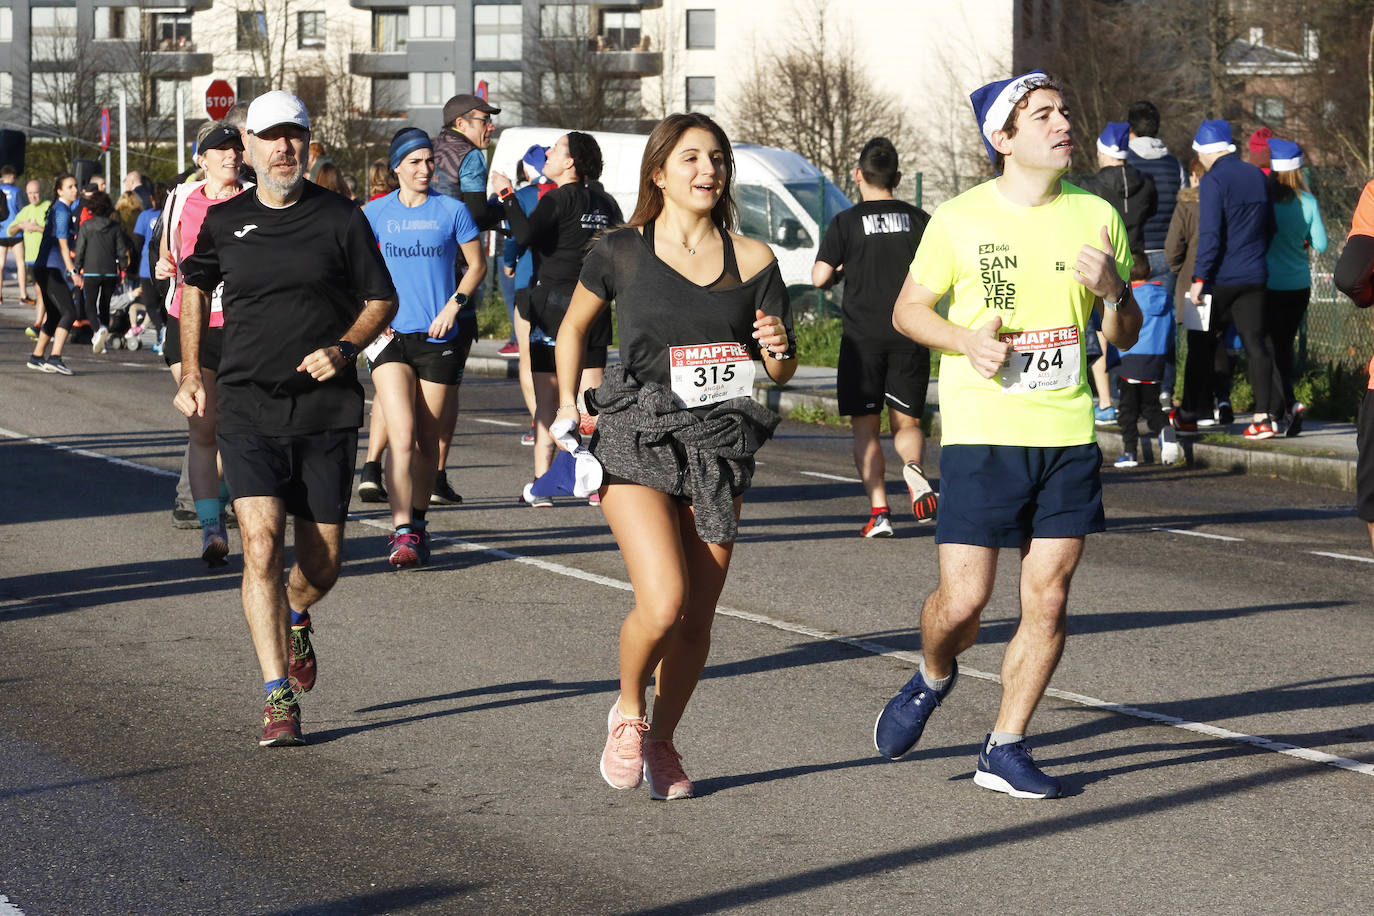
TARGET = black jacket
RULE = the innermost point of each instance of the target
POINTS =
(101, 247)
(1131, 192)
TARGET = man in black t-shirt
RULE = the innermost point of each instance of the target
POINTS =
(870, 247)
(305, 288)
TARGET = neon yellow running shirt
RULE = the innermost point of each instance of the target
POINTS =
(1000, 258)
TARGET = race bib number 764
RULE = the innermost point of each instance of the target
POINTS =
(1042, 359)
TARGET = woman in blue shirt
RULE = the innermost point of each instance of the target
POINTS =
(54, 269)
(1289, 288)
(418, 363)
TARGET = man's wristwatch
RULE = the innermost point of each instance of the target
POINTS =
(1115, 304)
(505, 193)
(461, 299)
(349, 350)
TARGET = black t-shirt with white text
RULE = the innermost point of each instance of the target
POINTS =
(875, 240)
(295, 280)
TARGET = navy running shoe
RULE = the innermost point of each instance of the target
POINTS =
(902, 720)
(1009, 768)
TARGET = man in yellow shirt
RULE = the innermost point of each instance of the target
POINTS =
(1026, 257)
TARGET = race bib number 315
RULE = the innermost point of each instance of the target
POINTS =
(1043, 359)
(708, 373)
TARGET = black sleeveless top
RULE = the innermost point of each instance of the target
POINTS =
(657, 308)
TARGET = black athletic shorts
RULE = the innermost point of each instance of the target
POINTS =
(542, 359)
(311, 472)
(440, 362)
(1004, 495)
(866, 379)
(211, 345)
(1364, 464)
(9, 241)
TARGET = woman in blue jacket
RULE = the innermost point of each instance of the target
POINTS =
(1299, 229)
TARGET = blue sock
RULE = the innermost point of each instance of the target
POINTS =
(207, 510)
(298, 618)
(277, 684)
(223, 496)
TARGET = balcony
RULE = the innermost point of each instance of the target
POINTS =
(380, 4)
(638, 4)
(180, 63)
(376, 63)
(630, 63)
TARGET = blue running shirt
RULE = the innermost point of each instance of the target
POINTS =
(420, 247)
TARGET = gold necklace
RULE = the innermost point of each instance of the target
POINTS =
(691, 249)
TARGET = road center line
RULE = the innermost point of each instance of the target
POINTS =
(496, 422)
(865, 645)
(830, 477)
(9, 909)
(1198, 534)
(1341, 556)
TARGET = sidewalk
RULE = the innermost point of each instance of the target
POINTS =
(1324, 455)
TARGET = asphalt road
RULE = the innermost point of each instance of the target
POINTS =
(455, 730)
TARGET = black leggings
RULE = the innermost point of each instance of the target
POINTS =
(1137, 398)
(100, 291)
(157, 313)
(59, 309)
(1284, 310)
(1245, 306)
(1247, 311)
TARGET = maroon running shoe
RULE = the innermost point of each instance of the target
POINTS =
(303, 668)
(281, 719)
(403, 548)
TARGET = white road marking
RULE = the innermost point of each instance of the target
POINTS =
(1199, 534)
(497, 422)
(866, 645)
(1341, 556)
(9, 909)
(830, 477)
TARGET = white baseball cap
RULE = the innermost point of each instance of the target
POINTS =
(273, 108)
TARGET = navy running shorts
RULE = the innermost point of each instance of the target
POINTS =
(1364, 464)
(440, 362)
(311, 472)
(211, 345)
(1004, 495)
(866, 379)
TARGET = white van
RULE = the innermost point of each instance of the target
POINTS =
(783, 199)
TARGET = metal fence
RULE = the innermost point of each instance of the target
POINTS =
(1335, 332)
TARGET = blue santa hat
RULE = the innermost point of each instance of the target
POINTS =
(1114, 139)
(534, 160)
(1214, 137)
(1284, 155)
(994, 103)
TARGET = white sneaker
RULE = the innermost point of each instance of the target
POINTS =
(1169, 452)
(98, 339)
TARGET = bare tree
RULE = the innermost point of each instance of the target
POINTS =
(63, 102)
(577, 81)
(811, 94)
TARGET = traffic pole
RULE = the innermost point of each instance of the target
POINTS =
(123, 136)
(181, 135)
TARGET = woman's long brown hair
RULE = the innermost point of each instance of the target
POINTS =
(662, 140)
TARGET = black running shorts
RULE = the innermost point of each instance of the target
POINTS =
(1364, 464)
(211, 345)
(866, 379)
(440, 362)
(312, 472)
(542, 358)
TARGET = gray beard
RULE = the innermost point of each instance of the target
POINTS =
(283, 188)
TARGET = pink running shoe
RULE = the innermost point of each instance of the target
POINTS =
(663, 769)
(622, 762)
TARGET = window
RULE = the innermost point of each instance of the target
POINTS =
(1256, 35)
(390, 96)
(701, 94)
(620, 30)
(430, 88)
(310, 30)
(54, 98)
(504, 88)
(567, 20)
(701, 29)
(53, 33)
(172, 31)
(765, 216)
(496, 31)
(432, 22)
(107, 86)
(248, 88)
(6, 88)
(117, 23)
(165, 97)
(314, 92)
(1269, 109)
(6, 24)
(252, 30)
(389, 31)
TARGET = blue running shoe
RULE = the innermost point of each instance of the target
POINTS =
(1009, 768)
(902, 720)
(1104, 416)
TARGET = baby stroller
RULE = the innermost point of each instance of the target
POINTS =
(125, 326)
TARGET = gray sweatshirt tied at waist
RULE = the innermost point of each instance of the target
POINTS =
(646, 437)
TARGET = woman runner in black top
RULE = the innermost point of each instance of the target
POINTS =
(559, 232)
(696, 305)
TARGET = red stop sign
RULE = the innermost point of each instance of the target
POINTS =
(219, 98)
